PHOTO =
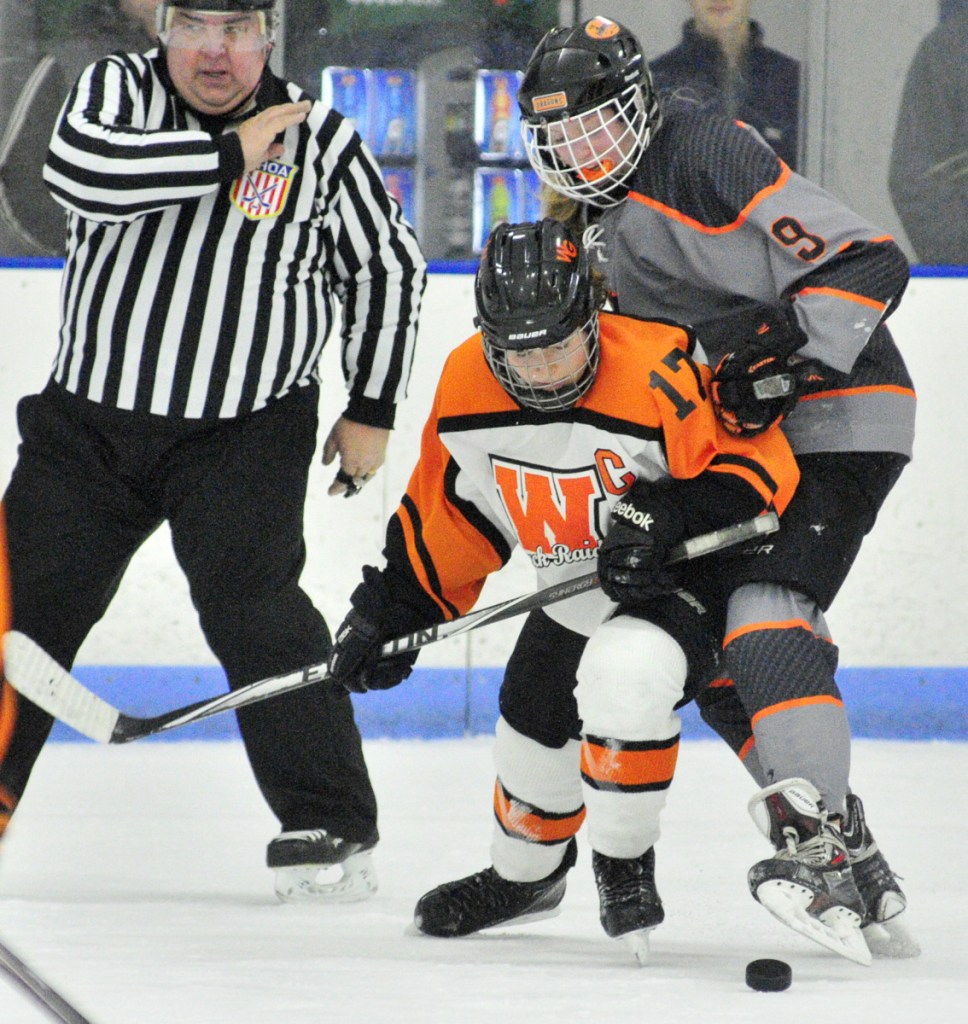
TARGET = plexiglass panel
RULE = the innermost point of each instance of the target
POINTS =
(864, 97)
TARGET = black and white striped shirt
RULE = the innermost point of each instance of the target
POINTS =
(193, 290)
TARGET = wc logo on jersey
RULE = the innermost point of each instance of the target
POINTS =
(554, 512)
(262, 193)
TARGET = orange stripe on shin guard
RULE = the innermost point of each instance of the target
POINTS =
(631, 766)
(757, 627)
(790, 705)
(746, 748)
(524, 821)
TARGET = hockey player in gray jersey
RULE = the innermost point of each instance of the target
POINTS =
(788, 290)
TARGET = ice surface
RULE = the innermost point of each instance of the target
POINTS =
(132, 879)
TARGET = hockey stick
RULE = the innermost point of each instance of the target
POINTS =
(35, 675)
(56, 1006)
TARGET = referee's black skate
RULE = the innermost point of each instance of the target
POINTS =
(485, 900)
(628, 901)
(808, 883)
(303, 861)
(884, 900)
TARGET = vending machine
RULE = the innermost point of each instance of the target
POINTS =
(505, 187)
(382, 104)
(457, 177)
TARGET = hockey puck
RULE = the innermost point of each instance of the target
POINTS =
(768, 975)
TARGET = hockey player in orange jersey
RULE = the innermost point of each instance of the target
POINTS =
(588, 439)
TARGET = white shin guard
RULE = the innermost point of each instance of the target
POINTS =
(538, 804)
(630, 678)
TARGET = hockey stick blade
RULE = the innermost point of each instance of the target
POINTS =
(39, 678)
(55, 1004)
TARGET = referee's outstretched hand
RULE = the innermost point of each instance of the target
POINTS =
(258, 134)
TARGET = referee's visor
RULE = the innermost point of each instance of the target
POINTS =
(239, 31)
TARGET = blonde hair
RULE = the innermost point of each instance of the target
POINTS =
(574, 215)
(563, 208)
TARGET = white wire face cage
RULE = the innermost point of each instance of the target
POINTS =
(590, 156)
(547, 399)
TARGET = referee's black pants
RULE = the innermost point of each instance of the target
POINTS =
(90, 486)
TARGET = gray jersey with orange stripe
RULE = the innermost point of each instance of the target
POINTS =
(716, 224)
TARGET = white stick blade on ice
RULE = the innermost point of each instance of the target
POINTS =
(34, 674)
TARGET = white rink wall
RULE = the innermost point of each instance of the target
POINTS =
(897, 609)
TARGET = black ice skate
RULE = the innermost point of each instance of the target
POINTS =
(808, 883)
(884, 901)
(486, 900)
(628, 902)
(299, 859)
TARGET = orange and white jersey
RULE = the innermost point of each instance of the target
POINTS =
(493, 475)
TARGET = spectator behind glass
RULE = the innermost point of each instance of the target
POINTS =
(69, 36)
(929, 161)
(723, 61)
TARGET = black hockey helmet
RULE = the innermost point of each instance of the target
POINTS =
(588, 78)
(534, 289)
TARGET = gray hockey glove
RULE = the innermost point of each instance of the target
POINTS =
(755, 385)
(644, 526)
(355, 662)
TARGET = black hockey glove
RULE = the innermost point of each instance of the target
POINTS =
(644, 526)
(755, 385)
(355, 662)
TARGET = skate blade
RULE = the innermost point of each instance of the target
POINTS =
(514, 922)
(300, 884)
(891, 940)
(838, 929)
(637, 943)
(540, 915)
